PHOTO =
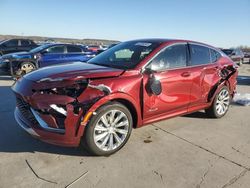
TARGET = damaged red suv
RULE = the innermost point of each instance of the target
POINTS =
(132, 84)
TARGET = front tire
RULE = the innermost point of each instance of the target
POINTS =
(108, 130)
(25, 68)
(220, 104)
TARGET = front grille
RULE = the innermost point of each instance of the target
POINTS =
(24, 108)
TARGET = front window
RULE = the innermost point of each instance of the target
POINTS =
(11, 43)
(55, 49)
(125, 55)
(174, 56)
(40, 48)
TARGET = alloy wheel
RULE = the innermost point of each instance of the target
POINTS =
(222, 102)
(27, 67)
(111, 130)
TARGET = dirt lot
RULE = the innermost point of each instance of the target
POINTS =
(189, 151)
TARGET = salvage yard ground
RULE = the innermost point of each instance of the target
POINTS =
(189, 151)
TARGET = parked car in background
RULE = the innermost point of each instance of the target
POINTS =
(104, 49)
(94, 48)
(130, 85)
(235, 54)
(247, 57)
(16, 45)
(42, 56)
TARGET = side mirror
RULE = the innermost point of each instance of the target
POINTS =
(233, 53)
(154, 85)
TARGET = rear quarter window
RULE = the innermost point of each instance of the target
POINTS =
(215, 55)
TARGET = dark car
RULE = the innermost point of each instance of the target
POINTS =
(235, 54)
(104, 49)
(42, 56)
(16, 45)
(130, 85)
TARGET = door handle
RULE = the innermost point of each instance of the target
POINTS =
(185, 74)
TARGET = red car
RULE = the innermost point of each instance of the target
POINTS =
(130, 85)
(94, 48)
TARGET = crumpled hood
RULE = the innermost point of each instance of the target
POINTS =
(17, 55)
(75, 71)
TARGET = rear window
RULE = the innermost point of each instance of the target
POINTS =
(200, 55)
(73, 49)
(25, 43)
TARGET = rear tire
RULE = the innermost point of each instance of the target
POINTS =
(108, 130)
(220, 104)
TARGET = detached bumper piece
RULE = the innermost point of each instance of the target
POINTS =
(50, 126)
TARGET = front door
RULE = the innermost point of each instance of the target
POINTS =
(52, 56)
(170, 68)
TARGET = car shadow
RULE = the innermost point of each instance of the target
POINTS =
(199, 114)
(14, 139)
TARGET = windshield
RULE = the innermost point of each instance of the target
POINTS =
(40, 48)
(228, 52)
(2, 41)
(125, 55)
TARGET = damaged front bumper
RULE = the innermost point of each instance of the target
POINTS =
(41, 126)
(53, 118)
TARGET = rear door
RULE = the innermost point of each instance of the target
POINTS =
(74, 53)
(25, 45)
(205, 71)
(171, 69)
(53, 55)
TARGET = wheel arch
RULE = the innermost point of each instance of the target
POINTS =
(130, 107)
(126, 100)
(214, 90)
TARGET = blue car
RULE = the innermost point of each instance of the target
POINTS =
(46, 55)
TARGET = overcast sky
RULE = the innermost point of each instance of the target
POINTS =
(222, 23)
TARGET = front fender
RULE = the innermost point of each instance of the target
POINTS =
(106, 99)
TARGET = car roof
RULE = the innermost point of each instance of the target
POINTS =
(163, 40)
